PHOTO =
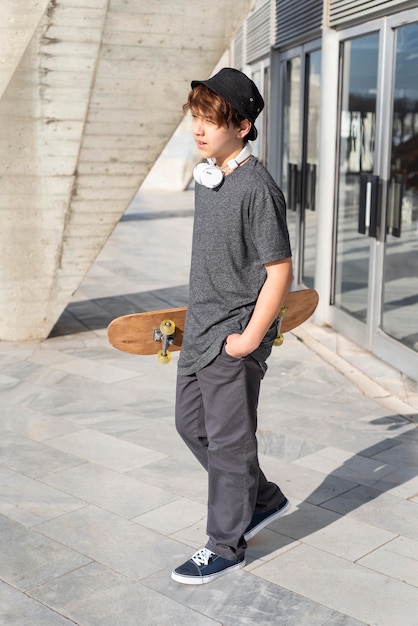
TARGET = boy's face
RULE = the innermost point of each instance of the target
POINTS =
(218, 142)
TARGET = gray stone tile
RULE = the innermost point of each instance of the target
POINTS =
(159, 433)
(32, 458)
(170, 518)
(103, 420)
(241, 598)
(335, 582)
(7, 381)
(342, 536)
(344, 620)
(96, 596)
(403, 483)
(303, 483)
(26, 394)
(185, 478)
(304, 520)
(193, 535)
(49, 358)
(121, 545)
(284, 446)
(16, 609)
(153, 407)
(398, 559)
(95, 371)
(346, 465)
(379, 445)
(386, 425)
(12, 351)
(134, 427)
(29, 559)
(156, 382)
(73, 395)
(41, 375)
(330, 432)
(278, 404)
(33, 424)
(110, 490)
(403, 455)
(267, 545)
(29, 502)
(105, 450)
(379, 509)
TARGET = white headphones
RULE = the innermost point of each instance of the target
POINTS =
(211, 176)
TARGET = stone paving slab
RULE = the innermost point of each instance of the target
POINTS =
(348, 587)
(245, 599)
(114, 599)
(17, 609)
(100, 499)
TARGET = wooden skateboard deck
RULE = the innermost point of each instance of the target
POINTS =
(136, 333)
(161, 332)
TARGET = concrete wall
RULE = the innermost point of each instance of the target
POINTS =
(91, 93)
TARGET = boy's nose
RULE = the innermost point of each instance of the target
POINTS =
(197, 126)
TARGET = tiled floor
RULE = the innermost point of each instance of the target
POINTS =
(100, 499)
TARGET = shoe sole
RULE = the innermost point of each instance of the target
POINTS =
(201, 580)
(254, 531)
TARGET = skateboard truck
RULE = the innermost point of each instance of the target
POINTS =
(279, 337)
(165, 334)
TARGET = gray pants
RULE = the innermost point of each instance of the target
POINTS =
(216, 415)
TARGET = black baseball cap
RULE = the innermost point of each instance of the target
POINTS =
(239, 91)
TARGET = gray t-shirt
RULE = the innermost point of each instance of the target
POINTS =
(238, 227)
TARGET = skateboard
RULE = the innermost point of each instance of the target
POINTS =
(161, 332)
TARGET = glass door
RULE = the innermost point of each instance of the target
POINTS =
(358, 92)
(400, 283)
(301, 78)
(375, 267)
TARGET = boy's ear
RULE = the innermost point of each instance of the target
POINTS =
(244, 129)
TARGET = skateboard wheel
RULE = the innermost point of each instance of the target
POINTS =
(167, 327)
(164, 358)
(279, 340)
(283, 311)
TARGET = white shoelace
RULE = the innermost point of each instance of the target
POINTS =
(202, 557)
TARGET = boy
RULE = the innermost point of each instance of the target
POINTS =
(241, 270)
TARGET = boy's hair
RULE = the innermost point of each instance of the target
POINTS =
(205, 102)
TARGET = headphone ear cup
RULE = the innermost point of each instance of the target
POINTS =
(197, 172)
(208, 175)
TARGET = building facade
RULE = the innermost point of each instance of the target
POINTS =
(340, 135)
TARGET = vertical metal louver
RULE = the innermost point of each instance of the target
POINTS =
(342, 11)
(258, 33)
(238, 50)
(297, 21)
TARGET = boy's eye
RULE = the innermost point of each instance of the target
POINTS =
(204, 118)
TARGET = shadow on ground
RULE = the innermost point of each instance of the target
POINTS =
(96, 314)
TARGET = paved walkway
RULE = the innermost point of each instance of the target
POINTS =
(100, 499)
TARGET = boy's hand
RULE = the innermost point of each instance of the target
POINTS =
(237, 346)
(269, 301)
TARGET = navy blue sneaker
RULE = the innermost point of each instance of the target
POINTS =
(203, 567)
(261, 520)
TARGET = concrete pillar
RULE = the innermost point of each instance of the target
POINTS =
(90, 98)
